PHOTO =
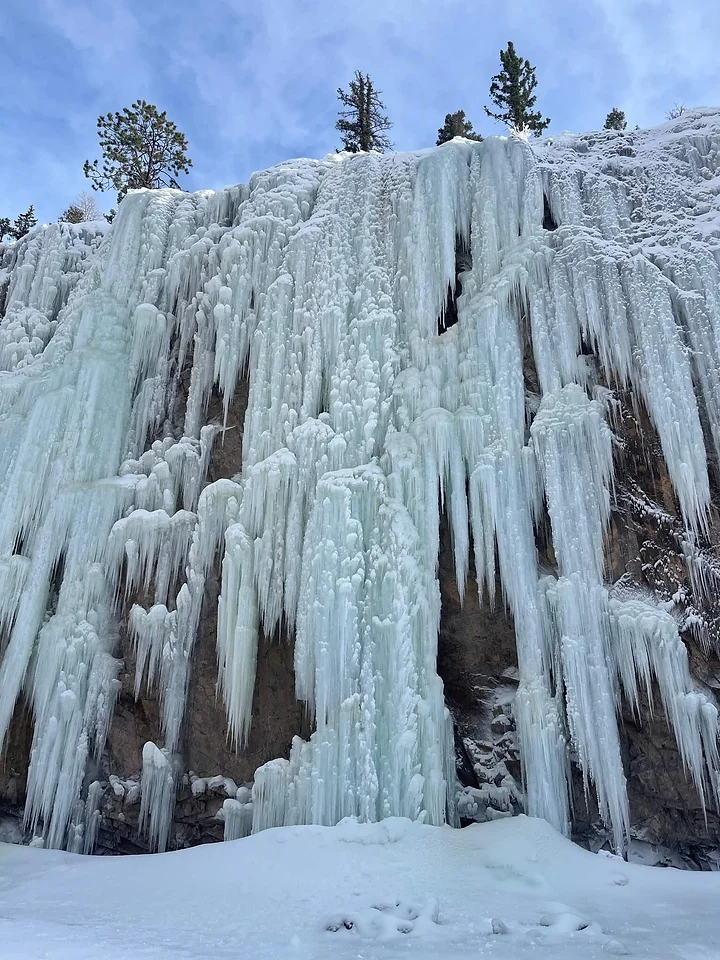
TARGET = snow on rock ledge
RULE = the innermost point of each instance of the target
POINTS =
(325, 280)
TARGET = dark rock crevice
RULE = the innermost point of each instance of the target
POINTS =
(548, 219)
(463, 262)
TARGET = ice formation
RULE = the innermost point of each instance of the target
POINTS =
(324, 281)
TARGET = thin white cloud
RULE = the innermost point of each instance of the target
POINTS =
(669, 50)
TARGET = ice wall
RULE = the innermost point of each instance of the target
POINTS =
(323, 281)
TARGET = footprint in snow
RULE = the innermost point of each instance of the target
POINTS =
(559, 923)
(384, 921)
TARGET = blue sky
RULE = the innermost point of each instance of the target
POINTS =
(252, 82)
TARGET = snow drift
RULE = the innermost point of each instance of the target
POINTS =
(512, 890)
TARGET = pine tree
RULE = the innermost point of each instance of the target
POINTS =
(615, 120)
(24, 223)
(511, 91)
(5, 227)
(72, 214)
(362, 122)
(141, 148)
(456, 126)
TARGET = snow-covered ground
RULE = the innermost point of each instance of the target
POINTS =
(508, 889)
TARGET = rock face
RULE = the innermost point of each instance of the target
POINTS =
(205, 749)
(478, 664)
(259, 448)
(477, 661)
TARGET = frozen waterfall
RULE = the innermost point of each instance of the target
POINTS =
(322, 282)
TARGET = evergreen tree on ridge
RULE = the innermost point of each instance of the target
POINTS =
(511, 91)
(24, 223)
(140, 148)
(456, 125)
(361, 121)
(615, 120)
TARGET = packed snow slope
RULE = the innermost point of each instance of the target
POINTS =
(508, 890)
(586, 270)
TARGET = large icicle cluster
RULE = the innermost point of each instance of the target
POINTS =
(325, 280)
(37, 275)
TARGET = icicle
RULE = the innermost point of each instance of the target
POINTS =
(150, 630)
(74, 691)
(238, 625)
(270, 793)
(154, 546)
(157, 791)
(92, 816)
(13, 574)
(646, 645)
(347, 662)
(237, 818)
(574, 449)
